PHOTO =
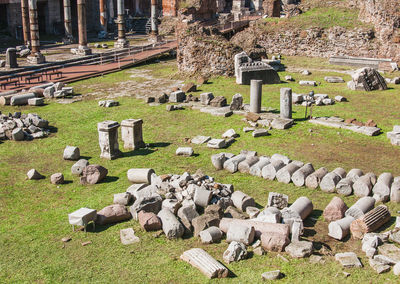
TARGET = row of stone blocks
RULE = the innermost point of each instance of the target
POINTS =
(131, 133)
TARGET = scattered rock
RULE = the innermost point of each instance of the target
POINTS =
(235, 252)
(271, 275)
(34, 175)
(299, 249)
(348, 259)
(71, 153)
(57, 178)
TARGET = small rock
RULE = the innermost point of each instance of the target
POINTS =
(259, 251)
(260, 133)
(235, 252)
(86, 243)
(128, 236)
(231, 133)
(66, 239)
(34, 175)
(184, 151)
(348, 259)
(271, 275)
(71, 153)
(299, 249)
(57, 178)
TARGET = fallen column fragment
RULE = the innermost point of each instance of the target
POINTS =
(244, 166)
(335, 209)
(362, 206)
(355, 174)
(256, 169)
(314, 179)
(259, 227)
(200, 259)
(211, 235)
(371, 221)
(172, 228)
(395, 192)
(285, 174)
(329, 182)
(242, 200)
(231, 165)
(140, 175)
(270, 170)
(240, 233)
(345, 186)
(300, 176)
(341, 228)
(363, 185)
(303, 206)
(382, 187)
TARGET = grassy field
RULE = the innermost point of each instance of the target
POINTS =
(33, 214)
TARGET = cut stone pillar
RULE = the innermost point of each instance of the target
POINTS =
(172, 228)
(259, 227)
(299, 177)
(211, 235)
(200, 259)
(256, 169)
(270, 170)
(370, 222)
(35, 57)
(242, 200)
(362, 206)
(341, 228)
(232, 164)
(395, 192)
(122, 42)
(154, 26)
(303, 206)
(244, 166)
(83, 49)
(140, 175)
(132, 134)
(286, 103)
(255, 95)
(314, 179)
(345, 186)
(285, 174)
(68, 22)
(382, 187)
(11, 58)
(103, 14)
(108, 139)
(363, 186)
(25, 22)
(329, 182)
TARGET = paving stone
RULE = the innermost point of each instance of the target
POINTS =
(128, 236)
(348, 259)
(299, 249)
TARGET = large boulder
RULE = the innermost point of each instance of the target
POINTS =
(112, 214)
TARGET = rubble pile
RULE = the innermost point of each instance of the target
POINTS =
(317, 99)
(20, 127)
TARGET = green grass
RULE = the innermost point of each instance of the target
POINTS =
(321, 17)
(33, 214)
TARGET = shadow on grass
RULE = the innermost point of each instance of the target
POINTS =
(388, 224)
(108, 179)
(85, 157)
(52, 129)
(159, 144)
(139, 152)
(101, 228)
(67, 181)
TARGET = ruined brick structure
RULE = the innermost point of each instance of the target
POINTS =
(272, 8)
(170, 8)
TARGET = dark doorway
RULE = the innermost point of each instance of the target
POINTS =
(3, 16)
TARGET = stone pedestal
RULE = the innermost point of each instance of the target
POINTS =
(108, 139)
(83, 50)
(132, 134)
(121, 43)
(255, 95)
(37, 58)
(286, 103)
(11, 58)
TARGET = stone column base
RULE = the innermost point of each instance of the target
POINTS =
(81, 50)
(37, 58)
(121, 43)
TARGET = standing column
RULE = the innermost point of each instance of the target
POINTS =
(36, 57)
(68, 22)
(255, 95)
(83, 48)
(108, 139)
(121, 42)
(103, 15)
(25, 22)
(154, 28)
(286, 103)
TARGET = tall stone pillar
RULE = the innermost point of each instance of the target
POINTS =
(83, 49)
(154, 28)
(25, 22)
(36, 57)
(68, 22)
(132, 134)
(286, 103)
(255, 95)
(103, 14)
(108, 139)
(121, 42)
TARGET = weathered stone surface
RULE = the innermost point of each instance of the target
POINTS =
(277, 200)
(240, 233)
(378, 266)
(184, 151)
(123, 198)
(216, 143)
(200, 139)
(274, 242)
(211, 235)
(171, 226)
(348, 259)
(78, 167)
(333, 79)
(391, 251)
(149, 221)
(260, 132)
(112, 214)
(71, 153)
(33, 174)
(237, 102)
(128, 236)
(150, 203)
(205, 98)
(270, 215)
(205, 263)
(18, 134)
(36, 102)
(335, 209)
(367, 79)
(300, 249)
(271, 275)
(242, 200)
(140, 175)
(219, 101)
(396, 269)
(93, 174)
(202, 196)
(341, 228)
(57, 178)
(205, 221)
(235, 252)
(177, 97)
